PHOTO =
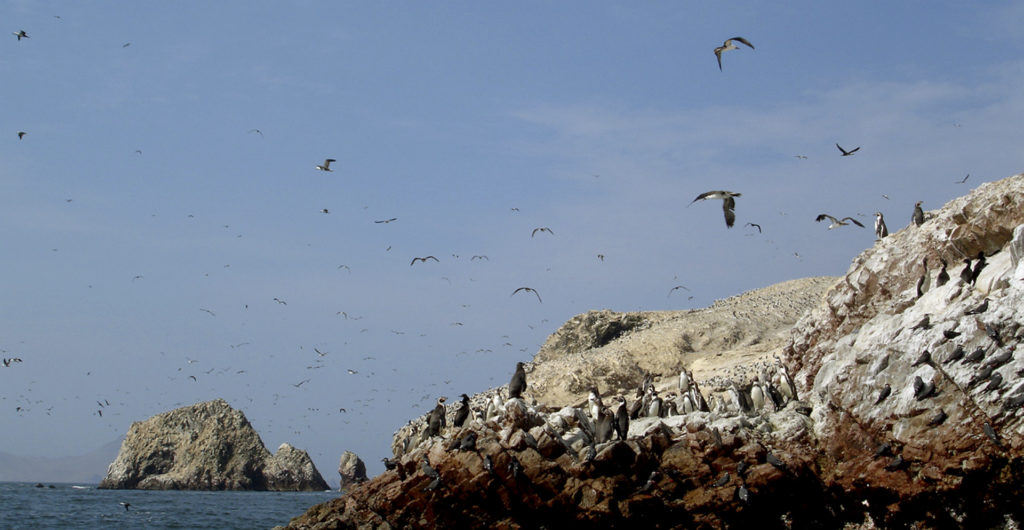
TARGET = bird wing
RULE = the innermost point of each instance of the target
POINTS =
(843, 150)
(854, 221)
(701, 197)
(854, 150)
(729, 207)
(718, 54)
(822, 217)
(744, 41)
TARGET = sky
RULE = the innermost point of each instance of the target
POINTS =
(167, 238)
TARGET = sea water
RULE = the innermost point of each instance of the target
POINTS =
(23, 505)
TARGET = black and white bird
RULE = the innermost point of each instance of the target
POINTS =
(462, 413)
(728, 45)
(728, 203)
(22, 35)
(918, 216)
(836, 223)
(517, 384)
(423, 259)
(847, 153)
(541, 229)
(528, 289)
(326, 165)
(880, 229)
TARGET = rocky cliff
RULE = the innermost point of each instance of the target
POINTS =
(896, 402)
(207, 446)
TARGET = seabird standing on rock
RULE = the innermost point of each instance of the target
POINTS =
(517, 384)
(604, 426)
(925, 357)
(722, 481)
(977, 355)
(622, 419)
(594, 400)
(886, 390)
(979, 309)
(728, 203)
(880, 229)
(981, 264)
(918, 215)
(938, 419)
(436, 421)
(925, 281)
(965, 273)
(924, 323)
(462, 414)
(943, 276)
(728, 45)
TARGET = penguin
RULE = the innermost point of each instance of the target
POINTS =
(622, 419)
(496, 408)
(462, 413)
(918, 215)
(668, 406)
(654, 409)
(436, 421)
(595, 403)
(518, 383)
(634, 409)
(686, 403)
(925, 282)
(736, 396)
(880, 229)
(684, 381)
(786, 383)
(757, 396)
(604, 427)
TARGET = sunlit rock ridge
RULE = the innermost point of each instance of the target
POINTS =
(856, 425)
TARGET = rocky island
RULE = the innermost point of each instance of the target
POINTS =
(890, 397)
(207, 446)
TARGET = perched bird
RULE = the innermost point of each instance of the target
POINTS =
(528, 289)
(462, 414)
(975, 356)
(541, 229)
(978, 309)
(722, 481)
(991, 433)
(728, 203)
(938, 418)
(326, 165)
(515, 468)
(950, 334)
(883, 450)
(925, 357)
(924, 323)
(604, 426)
(884, 393)
(434, 484)
(468, 442)
(436, 421)
(980, 264)
(652, 480)
(943, 275)
(517, 384)
(622, 419)
(489, 464)
(22, 35)
(925, 281)
(848, 153)
(429, 469)
(423, 259)
(896, 463)
(743, 494)
(918, 215)
(728, 45)
(966, 274)
(389, 464)
(775, 462)
(836, 223)
(880, 229)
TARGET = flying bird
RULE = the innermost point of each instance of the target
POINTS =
(324, 210)
(964, 179)
(278, 300)
(20, 34)
(126, 505)
(755, 225)
(530, 289)
(835, 223)
(728, 45)
(424, 260)
(327, 165)
(386, 221)
(728, 203)
(21, 134)
(256, 131)
(675, 288)
(801, 157)
(542, 229)
(850, 152)
(479, 257)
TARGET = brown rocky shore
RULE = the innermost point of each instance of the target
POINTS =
(890, 397)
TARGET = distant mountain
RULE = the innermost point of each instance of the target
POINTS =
(89, 468)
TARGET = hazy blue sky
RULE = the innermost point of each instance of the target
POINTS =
(144, 225)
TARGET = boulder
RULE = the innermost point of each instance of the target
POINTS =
(352, 470)
(206, 446)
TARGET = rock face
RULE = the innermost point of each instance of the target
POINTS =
(207, 446)
(352, 470)
(904, 409)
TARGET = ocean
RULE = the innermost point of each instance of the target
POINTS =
(22, 505)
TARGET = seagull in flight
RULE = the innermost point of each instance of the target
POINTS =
(327, 165)
(848, 153)
(282, 302)
(300, 383)
(530, 289)
(835, 223)
(728, 203)
(541, 229)
(386, 221)
(728, 45)
(675, 288)
(755, 225)
(424, 260)
(964, 179)
(20, 34)
(256, 131)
